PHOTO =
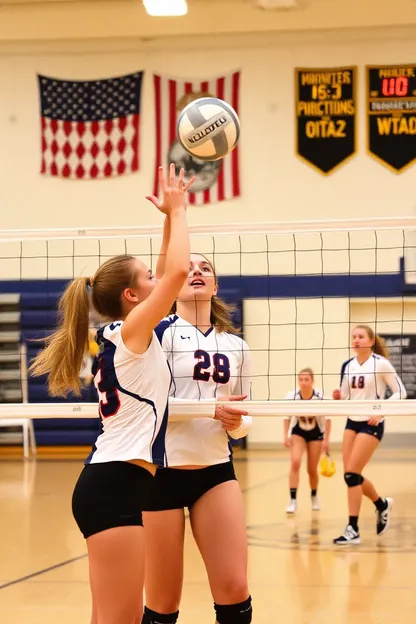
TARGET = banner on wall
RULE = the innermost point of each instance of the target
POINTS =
(215, 181)
(391, 115)
(402, 354)
(326, 116)
(90, 129)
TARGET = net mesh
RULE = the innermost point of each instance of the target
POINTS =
(298, 288)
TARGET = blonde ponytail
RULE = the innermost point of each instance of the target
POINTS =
(62, 357)
(221, 316)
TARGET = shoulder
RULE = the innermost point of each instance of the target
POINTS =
(317, 394)
(382, 363)
(111, 332)
(235, 341)
(292, 395)
(347, 364)
(167, 322)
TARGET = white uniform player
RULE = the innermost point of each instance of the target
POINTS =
(365, 377)
(305, 434)
(305, 423)
(370, 380)
(133, 408)
(208, 361)
(221, 365)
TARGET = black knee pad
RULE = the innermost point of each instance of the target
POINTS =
(151, 617)
(240, 613)
(352, 479)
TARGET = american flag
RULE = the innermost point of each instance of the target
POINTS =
(218, 180)
(90, 129)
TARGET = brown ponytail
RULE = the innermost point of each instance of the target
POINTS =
(62, 357)
(379, 346)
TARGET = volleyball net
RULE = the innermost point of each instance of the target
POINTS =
(299, 288)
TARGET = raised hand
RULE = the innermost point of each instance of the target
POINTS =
(173, 190)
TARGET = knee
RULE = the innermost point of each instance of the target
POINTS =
(234, 590)
(313, 471)
(295, 465)
(238, 613)
(352, 479)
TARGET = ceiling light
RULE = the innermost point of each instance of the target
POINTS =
(163, 8)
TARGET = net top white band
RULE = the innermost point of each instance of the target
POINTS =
(223, 229)
(192, 409)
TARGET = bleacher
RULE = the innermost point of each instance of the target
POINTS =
(28, 313)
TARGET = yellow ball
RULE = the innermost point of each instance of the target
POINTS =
(327, 466)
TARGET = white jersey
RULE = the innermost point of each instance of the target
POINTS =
(370, 381)
(306, 423)
(133, 394)
(204, 366)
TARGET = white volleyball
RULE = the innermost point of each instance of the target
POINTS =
(208, 128)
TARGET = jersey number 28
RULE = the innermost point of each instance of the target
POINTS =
(220, 362)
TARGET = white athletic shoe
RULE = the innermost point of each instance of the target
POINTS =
(351, 536)
(291, 508)
(383, 517)
(315, 503)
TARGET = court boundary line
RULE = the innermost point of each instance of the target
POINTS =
(39, 572)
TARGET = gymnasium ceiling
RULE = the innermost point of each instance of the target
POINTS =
(60, 20)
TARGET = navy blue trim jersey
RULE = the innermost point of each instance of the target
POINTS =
(133, 394)
(204, 366)
(369, 381)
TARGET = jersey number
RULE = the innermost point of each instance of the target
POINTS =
(221, 363)
(109, 399)
(358, 382)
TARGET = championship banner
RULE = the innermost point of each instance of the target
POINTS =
(216, 180)
(326, 116)
(391, 115)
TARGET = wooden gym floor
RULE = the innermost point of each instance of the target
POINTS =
(296, 574)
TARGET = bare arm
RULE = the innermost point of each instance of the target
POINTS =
(161, 263)
(286, 424)
(138, 326)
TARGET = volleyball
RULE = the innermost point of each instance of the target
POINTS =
(208, 128)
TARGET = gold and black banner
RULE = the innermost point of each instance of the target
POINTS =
(391, 115)
(326, 116)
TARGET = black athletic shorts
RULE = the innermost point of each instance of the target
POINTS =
(110, 495)
(362, 426)
(174, 488)
(313, 435)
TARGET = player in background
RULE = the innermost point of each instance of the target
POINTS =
(132, 379)
(208, 360)
(310, 434)
(366, 376)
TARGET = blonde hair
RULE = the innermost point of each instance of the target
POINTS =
(379, 346)
(306, 371)
(62, 357)
(221, 312)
